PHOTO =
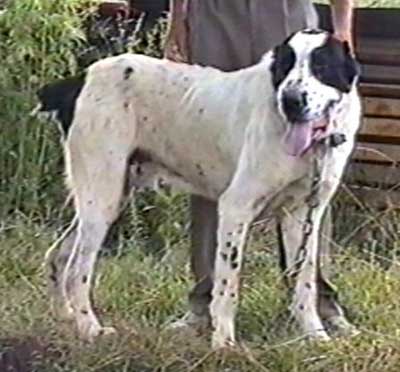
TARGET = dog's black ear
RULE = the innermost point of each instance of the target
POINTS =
(334, 65)
(59, 98)
(352, 67)
(284, 59)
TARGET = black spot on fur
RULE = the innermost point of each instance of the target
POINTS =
(84, 311)
(308, 285)
(284, 60)
(84, 279)
(301, 307)
(224, 282)
(233, 295)
(60, 97)
(228, 244)
(201, 111)
(200, 170)
(312, 31)
(333, 65)
(234, 265)
(128, 72)
(221, 293)
(234, 254)
(224, 256)
(53, 278)
(53, 275)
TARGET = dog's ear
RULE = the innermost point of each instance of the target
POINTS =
(333, 64)
(284, 58)
(352, 67)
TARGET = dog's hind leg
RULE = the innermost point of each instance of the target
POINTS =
(97, 180)
(55, 261)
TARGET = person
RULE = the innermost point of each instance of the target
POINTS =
(229, 35)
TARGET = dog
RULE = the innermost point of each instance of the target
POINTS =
(250, 139)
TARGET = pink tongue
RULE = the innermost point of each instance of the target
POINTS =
(298, 138)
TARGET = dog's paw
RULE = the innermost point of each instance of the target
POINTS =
(221, 343)
(340, 326)
(318, 336)
(191, 322)
(90, 331)
(62, 311)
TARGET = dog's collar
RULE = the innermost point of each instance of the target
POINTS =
(336, 139)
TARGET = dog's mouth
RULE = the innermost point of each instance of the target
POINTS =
(300, 137)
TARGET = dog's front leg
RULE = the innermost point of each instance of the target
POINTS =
(291, 230)
(237, 208)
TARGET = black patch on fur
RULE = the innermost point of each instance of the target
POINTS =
(284, 61)
(128, 72)
(234, 257)
(224, 282)
(200, 170)
(84, 279)
(312, 31)
(84, 312)
(61, 97)
(224, 256)
(53, 275)
(333, 65)
(281, 248)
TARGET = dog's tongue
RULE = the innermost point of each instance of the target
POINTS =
(298, 138)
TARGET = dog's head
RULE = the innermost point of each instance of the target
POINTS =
(312, 73)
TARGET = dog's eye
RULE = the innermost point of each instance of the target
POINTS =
(284, 60)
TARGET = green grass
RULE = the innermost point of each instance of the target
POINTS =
(140, 295)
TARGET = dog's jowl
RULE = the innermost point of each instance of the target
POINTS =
(247, 139)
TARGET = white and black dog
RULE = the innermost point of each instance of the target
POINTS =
(247, 139)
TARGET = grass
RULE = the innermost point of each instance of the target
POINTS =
(143, 285)
(140, 294)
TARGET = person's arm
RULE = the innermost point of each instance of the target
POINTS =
(176, 44)
(342, 19)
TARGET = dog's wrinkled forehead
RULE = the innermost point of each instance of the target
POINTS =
(320, 55)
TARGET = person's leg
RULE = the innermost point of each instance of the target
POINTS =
(219, 37)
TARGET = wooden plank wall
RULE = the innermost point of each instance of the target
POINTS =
(377, 157)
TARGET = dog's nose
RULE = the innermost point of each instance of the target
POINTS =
(294, 104)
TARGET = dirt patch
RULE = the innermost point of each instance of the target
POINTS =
(18, 355)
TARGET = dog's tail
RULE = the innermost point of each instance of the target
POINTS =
(58, 99)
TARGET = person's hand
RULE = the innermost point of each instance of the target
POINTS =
(345, 36)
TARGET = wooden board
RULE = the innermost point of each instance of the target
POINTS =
(380, 130)
(369, 22)
(380, 74)
(380, 90)
(381, 107)
(373, 153)
(378, 51)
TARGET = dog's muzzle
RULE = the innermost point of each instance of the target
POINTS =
(303, 130)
